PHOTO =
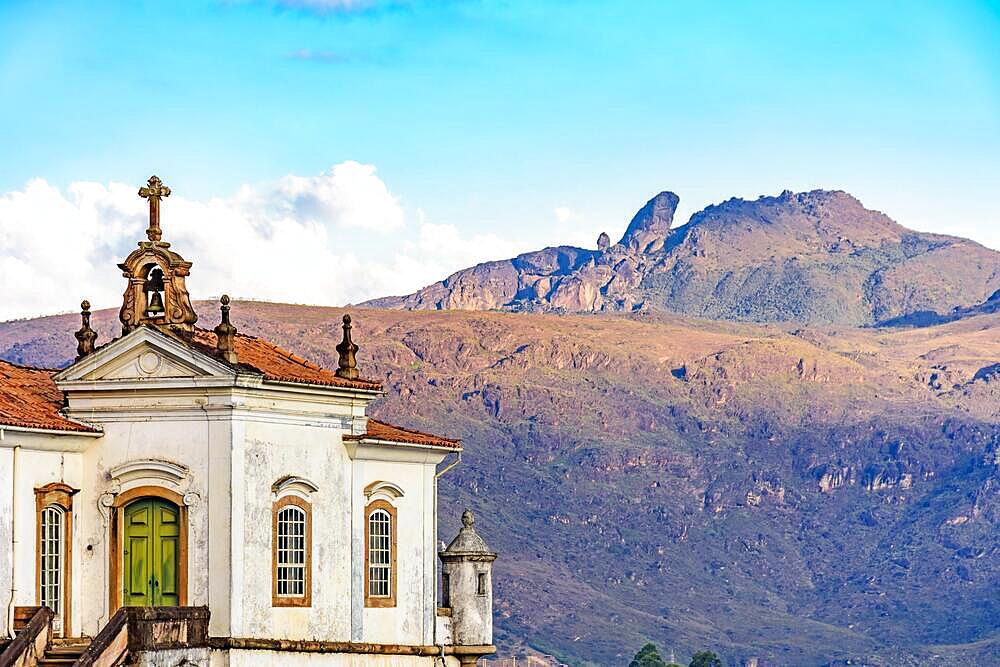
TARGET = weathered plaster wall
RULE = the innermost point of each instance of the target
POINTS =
(6, 514)
(220, 528)
(186, 657)
(243, 658)
(168, 436)
(411, 621)
(269, 452)
(472, 614)
(37, 465)
(236, 438)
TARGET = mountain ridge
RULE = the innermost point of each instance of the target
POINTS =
(794, 495)
(817, 257)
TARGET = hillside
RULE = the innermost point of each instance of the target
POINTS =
(804, 496)
(815, 258)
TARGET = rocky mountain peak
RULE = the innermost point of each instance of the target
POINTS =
(651, 224)
(817, 257)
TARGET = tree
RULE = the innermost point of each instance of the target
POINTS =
(705, 659)
(647, 656)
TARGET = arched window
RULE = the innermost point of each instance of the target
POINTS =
(52, 557)
(380, 554)
(292, 553)
(53, 575)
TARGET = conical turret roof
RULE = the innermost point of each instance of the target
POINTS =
(468, 542)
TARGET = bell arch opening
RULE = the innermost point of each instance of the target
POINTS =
(154, 289)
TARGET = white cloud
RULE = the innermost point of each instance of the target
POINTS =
(563, 214)
(330, 239)
(439, 250)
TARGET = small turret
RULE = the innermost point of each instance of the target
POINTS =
(467, 586)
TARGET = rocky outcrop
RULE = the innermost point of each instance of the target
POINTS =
(815, 257)
(651, 225)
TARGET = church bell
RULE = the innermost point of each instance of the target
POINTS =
(154, 285)
(155, 304)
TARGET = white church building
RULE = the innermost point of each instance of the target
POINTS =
(184, 496)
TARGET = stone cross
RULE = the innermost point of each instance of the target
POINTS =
(154, 191)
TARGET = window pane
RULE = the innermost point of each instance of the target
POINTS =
(291, 552)
(379, 553)
(51, 547)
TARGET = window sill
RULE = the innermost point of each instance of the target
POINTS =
(380, 602)
(290, 602)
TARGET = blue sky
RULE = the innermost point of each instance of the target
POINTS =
(511, 125)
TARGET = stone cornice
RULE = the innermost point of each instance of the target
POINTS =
(308, 646)
(383, 450)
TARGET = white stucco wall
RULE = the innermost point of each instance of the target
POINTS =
(39, 462)
(184, 657)
(6, 514)
(411, 621)
(241, 658)
(228, 439)
(269, 452)
(245, 658)
(201, 443)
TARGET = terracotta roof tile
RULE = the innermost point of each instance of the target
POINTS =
(29, 398)
(274, 363)
(382, 431)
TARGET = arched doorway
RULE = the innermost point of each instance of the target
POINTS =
(149, 558)
(151, 554)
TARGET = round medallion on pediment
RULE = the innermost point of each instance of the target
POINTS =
(149, 362)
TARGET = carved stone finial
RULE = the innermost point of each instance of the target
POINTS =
(468, 541)
(154, 191)
(347, 365)
(226, 333)
(86, 336)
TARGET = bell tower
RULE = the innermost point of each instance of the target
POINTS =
(155, 293)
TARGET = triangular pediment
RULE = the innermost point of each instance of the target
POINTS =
(144, 354)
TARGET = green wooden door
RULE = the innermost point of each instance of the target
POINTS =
(151, 551)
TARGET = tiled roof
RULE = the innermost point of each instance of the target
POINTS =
(29, 398)
(381, 431)
(260, 356)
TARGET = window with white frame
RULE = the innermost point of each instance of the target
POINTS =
(52, 554)
(292, 556)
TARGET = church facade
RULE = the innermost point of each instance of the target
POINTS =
(180, 495)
